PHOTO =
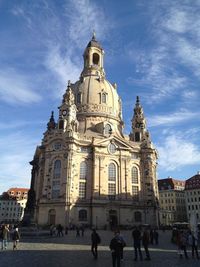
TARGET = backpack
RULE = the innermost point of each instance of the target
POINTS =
(98, 239)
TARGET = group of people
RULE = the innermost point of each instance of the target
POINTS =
(8, 232)
(118, 243)
(185, 239)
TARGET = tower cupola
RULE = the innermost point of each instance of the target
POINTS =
(138, 123)
(93, 59)
(51, 125)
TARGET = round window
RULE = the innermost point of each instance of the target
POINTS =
(112, 148)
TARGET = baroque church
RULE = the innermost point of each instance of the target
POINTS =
(86, 170)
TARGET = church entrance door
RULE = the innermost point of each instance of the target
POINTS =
(52, 217)
(113, 219)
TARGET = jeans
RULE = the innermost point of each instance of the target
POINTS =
(116, 258)
(4, 244)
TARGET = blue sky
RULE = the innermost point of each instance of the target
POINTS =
(151, 50)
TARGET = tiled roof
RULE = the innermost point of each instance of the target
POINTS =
(193, 182)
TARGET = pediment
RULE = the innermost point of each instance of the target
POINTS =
(122, 144)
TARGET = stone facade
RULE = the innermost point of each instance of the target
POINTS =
(192, 197)
(172, 201)
(12, 205)
(86, 171)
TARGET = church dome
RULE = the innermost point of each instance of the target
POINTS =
(96, 96)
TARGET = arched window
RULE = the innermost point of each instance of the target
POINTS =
(107, 129)
(57, 169)
(82, 215)
(135, 193)
(56, 179)
(138, 216)
(134, 174)
(95, 59)
(82, 182)
(112, 172)
(137, 137)
(61, 124)
(83, 170)
(78, 98)
(103, 98)
(111, 181)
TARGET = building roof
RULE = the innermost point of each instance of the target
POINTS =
(170, 184)
(193, 182)
(16, 189)
(93, 42)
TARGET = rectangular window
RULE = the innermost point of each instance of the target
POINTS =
(82, 190)
(135, 192)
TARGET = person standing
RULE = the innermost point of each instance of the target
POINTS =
(136, 234)
(193, 242)
(95, 238)
(156, 236)
(59, 230)
(123, 244)
(115, 247)
(15, 238)
(5, 232)
(182, 243)
(145, 242)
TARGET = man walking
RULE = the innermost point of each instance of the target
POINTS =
(136, 234)
(145, 242)
(95, 238)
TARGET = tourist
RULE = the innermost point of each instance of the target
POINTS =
(82, 230)
(77, 231)
(59, 230)
(5, 232)
(145, 242)
(115, 247)
(123, 244)
(95, 238)
(66, 230)
(155, 236)
(182, 239)
(136, 234)
(15, 238)
(193, 242)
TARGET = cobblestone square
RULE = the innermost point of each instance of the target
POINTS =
(72, 251)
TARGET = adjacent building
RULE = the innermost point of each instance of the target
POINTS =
(172, 205)
(192, 197)
(12, 205)
(86, 170)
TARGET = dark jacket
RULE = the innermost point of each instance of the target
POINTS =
(116, 245)
(136, 234)
(145, 238)
(95, 238)
(15, 236)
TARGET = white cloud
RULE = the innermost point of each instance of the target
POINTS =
(63, 67)
(177, 152)
(15, 88)
(167, 64)
(84, 17)
(177, 21)
(173, 118)
(18, 150)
